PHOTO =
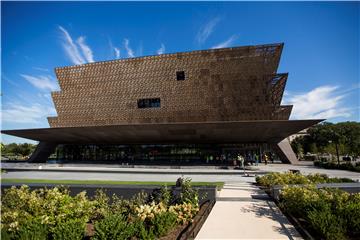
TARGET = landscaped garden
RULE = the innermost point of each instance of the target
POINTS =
(334, 165)
(326, 213)
(54, 214)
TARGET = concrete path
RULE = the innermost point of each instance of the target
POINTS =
(243, 211)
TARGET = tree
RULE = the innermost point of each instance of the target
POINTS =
(13, 149)
(340, 138)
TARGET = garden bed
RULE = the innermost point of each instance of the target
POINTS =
(317, 213)
(334, 165)
(55, 214)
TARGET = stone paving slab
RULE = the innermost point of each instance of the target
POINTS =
(237, 215)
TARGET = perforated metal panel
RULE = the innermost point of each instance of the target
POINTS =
(230, 84)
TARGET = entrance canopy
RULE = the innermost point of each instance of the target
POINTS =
(271, 131)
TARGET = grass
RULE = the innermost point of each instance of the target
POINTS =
(218, 185)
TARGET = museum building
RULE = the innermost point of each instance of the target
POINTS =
(198, 107)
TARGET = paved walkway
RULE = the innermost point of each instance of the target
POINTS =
(243, 211)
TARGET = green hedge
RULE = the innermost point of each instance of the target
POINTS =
(287, 178)
(330, 213)
(334, 165)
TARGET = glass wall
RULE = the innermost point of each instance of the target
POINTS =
(163, 154)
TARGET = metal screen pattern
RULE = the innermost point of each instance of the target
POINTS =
(230, 84)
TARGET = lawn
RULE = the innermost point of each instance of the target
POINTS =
(218, 185)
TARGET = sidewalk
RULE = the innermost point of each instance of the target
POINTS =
(103, 168)
(243, 211)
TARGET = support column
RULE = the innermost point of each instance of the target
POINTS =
(42, 152)
(286, 153)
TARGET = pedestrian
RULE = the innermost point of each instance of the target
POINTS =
(240, 158)
(266, 158)
(256, 156)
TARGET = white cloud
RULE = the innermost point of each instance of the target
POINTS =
(86, 51)
(41, 69)
(78, 52)
(41, 82)
(33, 114)
(117, 52)
(161, 50)
(128, 49)
(226, 43)
(114, 50)
(321, 102)
(206, 30)
(70, 48)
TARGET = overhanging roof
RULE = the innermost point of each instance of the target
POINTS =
(204, 132)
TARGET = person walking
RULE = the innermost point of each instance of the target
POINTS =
(266, 158)
(256, 156)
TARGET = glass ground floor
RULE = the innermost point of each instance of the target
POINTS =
(164, 154)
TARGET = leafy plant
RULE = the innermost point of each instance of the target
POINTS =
(71, 229)
(332, 213)
(30, 230)
(287, 178)
(114, 226)
(188, 193)
(327, 224)
(163, 222)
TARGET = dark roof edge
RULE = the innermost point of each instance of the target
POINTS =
(172, 123)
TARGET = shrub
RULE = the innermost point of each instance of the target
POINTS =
(334, 165)
(101, 205)
(114, 226)
(50, 207)
(188, 194)
(30, 230)
(299, 200)
(149, 211)
(163, 222)
(71, 229)
(332, 213)
(184, 212)
(351, 213)
(273, 179)
(327, 224)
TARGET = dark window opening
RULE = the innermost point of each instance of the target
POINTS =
(149, 103)
(180, 75)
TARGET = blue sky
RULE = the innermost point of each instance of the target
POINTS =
(321, 50)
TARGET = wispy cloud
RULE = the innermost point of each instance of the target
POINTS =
(78, 52)
(35, 113)
(41, 82)
(87, 52)
(117, 52)
(70, 48)
(321, 102)
(129, 51)
(41, 69)
(206, 30)
(226, 43)
(161, 50)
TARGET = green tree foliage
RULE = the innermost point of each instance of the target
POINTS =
(14, 149)
(326, 137)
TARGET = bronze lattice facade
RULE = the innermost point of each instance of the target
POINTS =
(229, 95)
(231, 84)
